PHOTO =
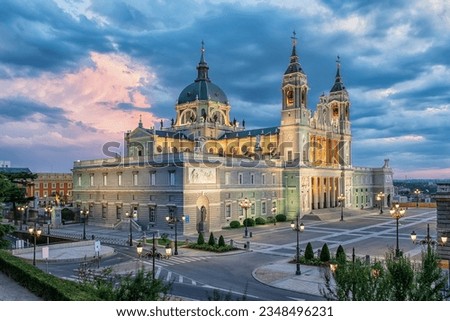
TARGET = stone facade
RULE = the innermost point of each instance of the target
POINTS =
(442, 198)
(204, 163)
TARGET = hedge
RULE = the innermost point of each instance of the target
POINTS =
(44, 285)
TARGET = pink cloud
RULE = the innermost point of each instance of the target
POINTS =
(91, 95)
(89, 98)
(431, 173)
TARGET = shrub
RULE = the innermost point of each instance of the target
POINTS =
(200, 239)
(271, 219)
(44, 285)
(281, 218)
(211, 240)
(67, 214)
(325, 253)
(260, 221)
(235, 224)
(309, 252)
(249, 222)
(341, 257)
(221, 241)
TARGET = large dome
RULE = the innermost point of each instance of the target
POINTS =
(202, 88)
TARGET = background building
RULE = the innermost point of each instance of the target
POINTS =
(204, 162)
(52, 187)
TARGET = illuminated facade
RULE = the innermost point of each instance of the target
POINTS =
(205, 162)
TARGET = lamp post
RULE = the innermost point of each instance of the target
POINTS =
(139, 249)
(84, 212)
(21, 209)
(417, 192)
(35, 232)
(428, 240)
(397, 212)
(298, 228)
(341, 199)
(380, 197)
(48, 213)
(131, 216)
(153, 256)
(245, 204)
(274, 214)
(172, 219)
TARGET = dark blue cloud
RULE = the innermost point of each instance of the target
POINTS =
(21, 108)
(38, 37)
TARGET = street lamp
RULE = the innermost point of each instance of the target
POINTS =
(428, 240)
(139, 249)
(22, 210)
(172, 219)
(131, 216)
(417, 192)
(245, 204)
(48, 213)
(298, 228)
(397, 212)
(380, 197)
(35, 232)
(341, 199)
(84, 213)
(274, 215)
(153, 256)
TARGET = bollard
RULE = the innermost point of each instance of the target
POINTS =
(231, 243)
(251, 234)
(247, 246)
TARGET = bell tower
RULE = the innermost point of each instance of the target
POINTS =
(294, 112)
(294, 87)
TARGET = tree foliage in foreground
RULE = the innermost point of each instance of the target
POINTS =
(398, 279)
(132, 287)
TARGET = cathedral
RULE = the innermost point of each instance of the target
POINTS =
(202, 165)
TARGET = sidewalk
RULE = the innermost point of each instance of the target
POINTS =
(282, 275)
(10, 290)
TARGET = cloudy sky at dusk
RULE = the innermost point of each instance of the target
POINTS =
(76, 74)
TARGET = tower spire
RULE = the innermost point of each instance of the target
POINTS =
(294, 45)
(294, 65)
(202, 67)
(338, 84)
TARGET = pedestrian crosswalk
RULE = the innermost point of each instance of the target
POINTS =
(161, 271)
(175, 260)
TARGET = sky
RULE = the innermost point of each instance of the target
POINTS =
(77, 74)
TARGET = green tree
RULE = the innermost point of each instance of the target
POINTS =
(221, 241)
(397, 279)
(400, 276)
(325, 253)
(139, 287)
(309, 252)
(429, 280)
(341, 257)
(13, 190)
(4, 230)
(200, 239)
(212, 240)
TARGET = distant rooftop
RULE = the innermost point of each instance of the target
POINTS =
(14, 170)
